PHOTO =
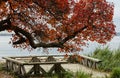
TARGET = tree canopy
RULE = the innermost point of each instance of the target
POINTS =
(66, 24)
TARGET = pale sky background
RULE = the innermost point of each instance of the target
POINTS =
(116, 18)
(117, 8)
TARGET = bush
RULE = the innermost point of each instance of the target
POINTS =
(110, 59)
(115, 73)
(102, 54)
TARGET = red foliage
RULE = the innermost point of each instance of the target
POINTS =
(51, 21)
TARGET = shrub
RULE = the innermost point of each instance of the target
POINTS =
(110, 59)
(102, 54)
(115, 73)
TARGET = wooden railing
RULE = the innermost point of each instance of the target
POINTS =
(90, 62)
(18, 67)
(17, 64)
(85, 60)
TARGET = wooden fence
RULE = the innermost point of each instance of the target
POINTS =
(90, 62)
(85, 60)
(18, 64)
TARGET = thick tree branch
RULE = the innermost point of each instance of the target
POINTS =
(46, 9)
(20, 41)
(73, 35)
(31, 39)
(4, 24)
(4, 27)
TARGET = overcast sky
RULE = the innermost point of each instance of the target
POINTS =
(117, 8)
(116, 13)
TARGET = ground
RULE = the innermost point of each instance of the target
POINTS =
(4, 74)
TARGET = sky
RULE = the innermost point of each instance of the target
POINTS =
(117, 7)
(116, 18)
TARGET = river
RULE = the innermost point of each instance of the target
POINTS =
(6, 49)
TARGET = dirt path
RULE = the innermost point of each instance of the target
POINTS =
(4, 74)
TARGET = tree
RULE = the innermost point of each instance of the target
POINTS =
(66, 24)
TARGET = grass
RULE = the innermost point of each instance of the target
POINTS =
(70, 74)
(5, 74)
(80, 74)
(1, 66)
(66, 74)
(115, 73)
(110, 58)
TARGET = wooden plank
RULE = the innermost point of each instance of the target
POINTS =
(23, 70)
(50, 59)
(19, 70)
(43, 63)
(90, 58)
(13, 60)
(36, 56)
(15, 68)
(35, 59)
(42, 71)
(36, 69)
(7, 65)
(57, 68)
(93, 59)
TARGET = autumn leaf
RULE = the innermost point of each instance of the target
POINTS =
(66, 25)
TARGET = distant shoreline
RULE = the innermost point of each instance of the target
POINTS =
(5, 34)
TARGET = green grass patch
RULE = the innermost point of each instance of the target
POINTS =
(67, 74)
(2, 66)
(115, 73)
(80, 74)
(70, 74)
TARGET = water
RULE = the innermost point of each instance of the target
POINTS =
(7, 50)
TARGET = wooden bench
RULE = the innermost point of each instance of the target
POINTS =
(18, 67)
